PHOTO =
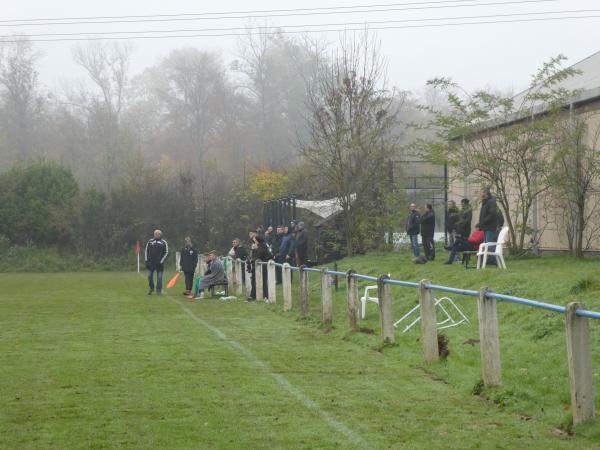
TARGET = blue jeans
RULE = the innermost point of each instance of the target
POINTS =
(159, 275)
(491, 236)
(414, 242)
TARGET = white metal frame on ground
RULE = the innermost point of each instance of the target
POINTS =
(448, 322)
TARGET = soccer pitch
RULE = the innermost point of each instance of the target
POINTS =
(90, 361)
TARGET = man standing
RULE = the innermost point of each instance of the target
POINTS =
(488, 219)
(189, 261)
(413, 227)
(463, 227)
(155, 254)
(427, 231)
(277, 240)
(452, 217)
(301, 245)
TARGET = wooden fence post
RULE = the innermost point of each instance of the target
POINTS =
(429, 336)
(384, 292)
(304, 298)
(352, 296)
(248, 283)
(326, 297)
(272, 281)
(239, 277)
(230, 274)
(489, 340)
(286, 273)
(579, 357)
(258, 279)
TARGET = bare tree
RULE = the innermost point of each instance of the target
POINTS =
(107, 65)
(576, 178)
(350, 123)
(20, 102)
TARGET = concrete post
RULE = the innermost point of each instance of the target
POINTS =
(384, 292)
(258, 268)
(286, 274)
(429, 336)
(352, 296)
(304, 296)
(326, 297)
(272, 282)
(489, 340)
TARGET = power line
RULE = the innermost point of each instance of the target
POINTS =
(261, 11)
(278, 32)
(276, 28)
(291, 14)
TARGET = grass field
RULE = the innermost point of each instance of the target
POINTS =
(90, 361)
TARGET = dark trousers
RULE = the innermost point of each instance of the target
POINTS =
(159, 276)
(491, 236)
(460, 245)
(278, 271)
(428, 247)
(189, 280)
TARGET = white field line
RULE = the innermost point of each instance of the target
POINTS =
(280, 379)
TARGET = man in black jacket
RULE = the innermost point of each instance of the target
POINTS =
(155, 254)
(413, 227)
(301, 245)
(189, 261)
(488, 219)
(463, 227)
(427, 231)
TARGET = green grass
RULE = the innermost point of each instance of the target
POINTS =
(89, 361)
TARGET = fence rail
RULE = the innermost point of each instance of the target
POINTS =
(579, 355)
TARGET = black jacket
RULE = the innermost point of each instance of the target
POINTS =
(263, 253)
(413, 223)
(428, 224)
(241, 252)
(452, 219)
(276, 244)
(463, 227)
(301, 246)
(155, 254)
(189, 259)
(488, 216)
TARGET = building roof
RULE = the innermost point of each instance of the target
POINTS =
(586, 83)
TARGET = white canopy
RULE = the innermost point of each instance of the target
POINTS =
(322, 208)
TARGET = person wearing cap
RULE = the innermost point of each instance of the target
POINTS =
(463, 226)
(155, 254)
(301, 245)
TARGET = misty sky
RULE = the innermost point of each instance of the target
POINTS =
(493, 55)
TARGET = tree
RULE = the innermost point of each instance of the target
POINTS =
(575, 179)
(350, 142)
(35, 202)
(107, 65)
(21, 105)
(504, 141)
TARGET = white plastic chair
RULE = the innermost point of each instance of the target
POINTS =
(484, 250)
(367, 298)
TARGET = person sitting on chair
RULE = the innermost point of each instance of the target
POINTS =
(464, 245)
(213, 276)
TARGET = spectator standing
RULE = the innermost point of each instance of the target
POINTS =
(155, 254)
(452, 217)
(301, 245)
(189, 261)
(488, 219)
(463, 227)
(263, 254)
(286, 249)
(238, 251)
(277, 239)
(413, 227)
(427, 231)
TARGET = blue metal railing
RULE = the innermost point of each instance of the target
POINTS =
(467, 292)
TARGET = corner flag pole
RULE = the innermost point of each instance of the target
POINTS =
(137, 251)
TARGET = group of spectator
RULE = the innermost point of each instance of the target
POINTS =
(283, 244)
(458, 227)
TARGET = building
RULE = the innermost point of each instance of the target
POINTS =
(550, 227)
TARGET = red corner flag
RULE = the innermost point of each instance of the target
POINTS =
(137, 252)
